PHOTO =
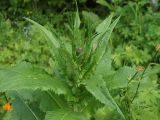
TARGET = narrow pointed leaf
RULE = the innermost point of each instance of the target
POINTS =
(77, 21)
(50, 37)
(104, 25)
(101, 49)
(101, 30)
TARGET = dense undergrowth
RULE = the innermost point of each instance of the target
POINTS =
(72, 69)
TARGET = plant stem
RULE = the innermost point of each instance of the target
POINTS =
(132, 78)
(5, 97)
(142, 77)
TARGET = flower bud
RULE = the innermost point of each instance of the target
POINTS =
(158, 47)
(140, 68)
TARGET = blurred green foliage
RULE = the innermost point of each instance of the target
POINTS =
(132, 43)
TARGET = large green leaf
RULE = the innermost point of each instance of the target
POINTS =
(46, 100)
(96, 86)
(120, 78)
(32, 105)
(22, 111)
(63, 114)
(104, 65)
(51, 101)
(27, 76)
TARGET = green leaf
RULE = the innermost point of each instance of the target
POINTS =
(77, 21)
(47, 100)
(68, 66)
(50, 37)
(104, 65)
(104, 25)
(51, 101)
(27, 76)
(96, 86)
(21, 110)
(101, 29)
(99, 44)
(120, 78)
(63, 114)
(101, 48)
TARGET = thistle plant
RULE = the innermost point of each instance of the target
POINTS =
(76, 89)
(82, 84)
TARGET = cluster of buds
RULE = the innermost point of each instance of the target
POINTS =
(140, 68)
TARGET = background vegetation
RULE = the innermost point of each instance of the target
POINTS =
(134, 42)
